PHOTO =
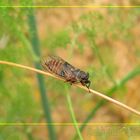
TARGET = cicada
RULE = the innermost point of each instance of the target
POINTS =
(63, 69)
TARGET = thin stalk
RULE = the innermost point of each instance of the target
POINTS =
(42, 87)
(110, 92)
(134, 73)
(72, 115)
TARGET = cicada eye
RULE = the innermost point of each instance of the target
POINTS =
(84, 75)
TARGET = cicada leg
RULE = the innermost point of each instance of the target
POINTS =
(71, 80)
(87, 84)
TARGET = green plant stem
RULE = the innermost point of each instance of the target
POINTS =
(40, 78)
(95, 47)
(28, 133)
(72, 115)
(123, 81)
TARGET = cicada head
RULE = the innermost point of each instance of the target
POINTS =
(84, 78)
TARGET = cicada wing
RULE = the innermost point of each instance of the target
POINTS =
(44, 63)
(66, 71)
(50, 57)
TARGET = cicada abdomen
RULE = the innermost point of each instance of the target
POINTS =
(54, 65)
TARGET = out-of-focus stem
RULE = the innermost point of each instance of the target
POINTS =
(41, 83)
(72, 115)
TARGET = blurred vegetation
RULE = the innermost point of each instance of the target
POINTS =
(92, 38)
(71, 2)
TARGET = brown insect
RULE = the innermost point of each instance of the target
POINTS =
(63, 69)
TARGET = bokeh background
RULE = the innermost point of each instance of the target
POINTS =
(103, 41)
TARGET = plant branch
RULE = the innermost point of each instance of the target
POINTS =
(73, 115)
(91, 91)
(110, 92)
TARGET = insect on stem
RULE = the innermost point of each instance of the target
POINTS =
(78, 85)
(63, 69)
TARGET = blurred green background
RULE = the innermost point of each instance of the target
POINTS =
(103, 41)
